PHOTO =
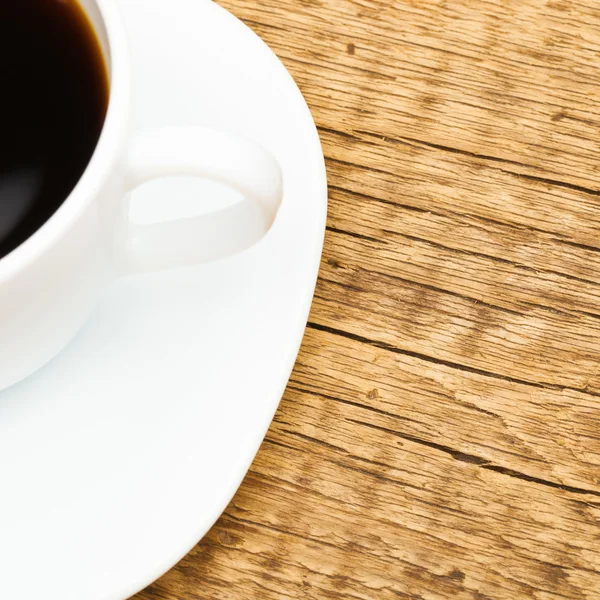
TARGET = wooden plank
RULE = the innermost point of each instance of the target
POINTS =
(509, 80)
(527, 338)
(542, 433)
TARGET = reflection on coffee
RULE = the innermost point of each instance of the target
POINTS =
(53, 100)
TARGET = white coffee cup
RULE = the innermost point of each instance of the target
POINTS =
(51, 282)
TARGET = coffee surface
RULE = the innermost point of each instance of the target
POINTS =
(53, 101)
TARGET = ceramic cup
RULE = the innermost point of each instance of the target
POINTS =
(50, 284)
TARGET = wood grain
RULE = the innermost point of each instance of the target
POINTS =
(440, 435)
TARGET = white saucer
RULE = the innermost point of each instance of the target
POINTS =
(119, 456)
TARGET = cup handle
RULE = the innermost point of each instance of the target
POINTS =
(222, 157)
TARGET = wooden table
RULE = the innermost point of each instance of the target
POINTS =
(440, 435)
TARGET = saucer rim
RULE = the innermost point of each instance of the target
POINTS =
(208, 521)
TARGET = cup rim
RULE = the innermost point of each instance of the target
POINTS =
(105, 155)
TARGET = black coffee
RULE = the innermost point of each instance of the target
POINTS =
(53, 101)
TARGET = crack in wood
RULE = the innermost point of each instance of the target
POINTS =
(480, 462)
(356, 404)
(456, 454)
(446, 363)
(497, 159)
(531, 479)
